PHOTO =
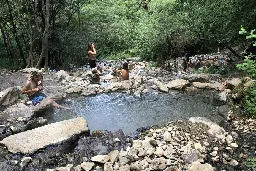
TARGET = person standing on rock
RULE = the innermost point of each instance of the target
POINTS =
(91, 52)
(34, 87)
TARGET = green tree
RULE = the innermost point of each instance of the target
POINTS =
(153, 30)
(249, 67)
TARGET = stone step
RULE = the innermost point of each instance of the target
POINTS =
(38, 138)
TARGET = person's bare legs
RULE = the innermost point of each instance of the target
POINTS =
(54, 104)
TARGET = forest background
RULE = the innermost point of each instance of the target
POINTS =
(55, 33)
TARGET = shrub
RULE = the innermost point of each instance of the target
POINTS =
(249, 101)
(222, 70)
(249, 67)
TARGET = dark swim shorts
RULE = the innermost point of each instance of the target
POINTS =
(92, 63)
(37, 98)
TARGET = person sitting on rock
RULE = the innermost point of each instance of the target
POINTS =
(124, 72)
(95, 78)
(34, 87)
(110, 68)
(187, 62)
(104, 67)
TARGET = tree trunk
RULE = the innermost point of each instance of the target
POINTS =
(30, 35)
(30, 53)
(79, 16)
(15, 33)
(35, 13)
(44, 53)
(7, 45)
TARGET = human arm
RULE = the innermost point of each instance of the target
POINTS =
(27, 89)
(90, 52)
(118, 72)
(40, 83)
(93, 51)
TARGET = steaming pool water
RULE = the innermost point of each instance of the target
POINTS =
(114, 111)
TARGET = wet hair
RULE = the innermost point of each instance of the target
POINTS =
(125, 66)
(89, 47)
(35, 74)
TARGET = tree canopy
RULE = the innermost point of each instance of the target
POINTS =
(55, 33)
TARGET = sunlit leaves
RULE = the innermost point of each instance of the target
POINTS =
(135, 27)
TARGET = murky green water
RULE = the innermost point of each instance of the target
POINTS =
(121, 111)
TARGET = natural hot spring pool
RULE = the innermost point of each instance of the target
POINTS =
(115, 111)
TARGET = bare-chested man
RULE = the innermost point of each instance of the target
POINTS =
(91, 52)
(33, 88)
(124, 72)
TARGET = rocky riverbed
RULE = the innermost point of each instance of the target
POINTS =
(195, 144)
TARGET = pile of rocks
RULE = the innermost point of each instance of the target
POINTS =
(198, 61)
(79, 84)
(180, 145)
(192, 145)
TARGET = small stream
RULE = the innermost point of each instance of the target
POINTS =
(114, 111)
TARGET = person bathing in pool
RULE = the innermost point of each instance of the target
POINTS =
(124, 72)
(33, 88)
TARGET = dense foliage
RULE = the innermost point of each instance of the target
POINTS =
(249, 101)
(249, 67)
(249, 64)
(246, 94)
(55, 33)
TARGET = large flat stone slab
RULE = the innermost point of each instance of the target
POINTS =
(32, 140)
